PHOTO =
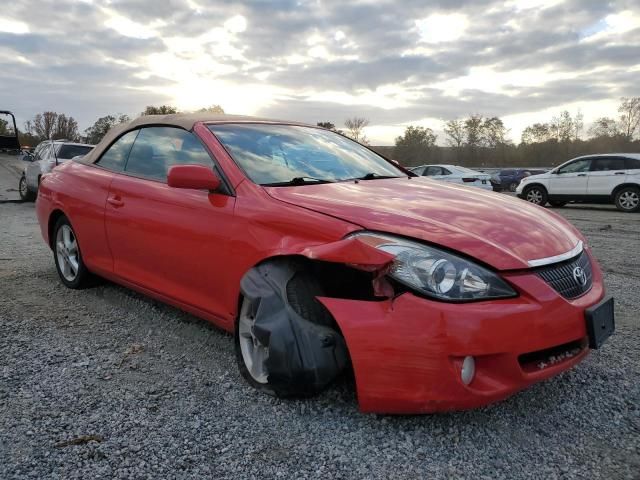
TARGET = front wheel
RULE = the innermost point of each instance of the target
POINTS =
(286, 342)
(67, 256)
(536, 195)
(25, 194)
(513, 186)
(628, 199)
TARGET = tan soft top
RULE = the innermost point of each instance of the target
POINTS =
(180, 120)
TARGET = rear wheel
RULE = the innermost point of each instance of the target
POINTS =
(25, 194)
(628, 199)
(66, 253)
(536, 195)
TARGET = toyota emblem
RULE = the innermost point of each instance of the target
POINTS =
(580, 276)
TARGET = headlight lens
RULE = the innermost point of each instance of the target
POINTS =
(437, 273)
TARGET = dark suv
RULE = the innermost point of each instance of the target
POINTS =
(508, 179)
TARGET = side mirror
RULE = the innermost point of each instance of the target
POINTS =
(197, 177)
(27, 156)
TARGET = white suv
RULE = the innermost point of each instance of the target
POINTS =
(46, 156)
(608, 178)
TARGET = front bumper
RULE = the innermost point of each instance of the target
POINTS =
(407, 352)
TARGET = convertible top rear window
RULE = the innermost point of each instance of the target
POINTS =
(70, 151)
(273, 154)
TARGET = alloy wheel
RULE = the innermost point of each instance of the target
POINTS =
(22, 187)
(534, 196)
(67, 253)
(629, 200)
(254, 353)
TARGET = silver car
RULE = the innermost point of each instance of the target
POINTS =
(47, 155)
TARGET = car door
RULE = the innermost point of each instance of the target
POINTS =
(606, 173)
(632, 170)
(571, 179)
(34, 169)
(168, 240)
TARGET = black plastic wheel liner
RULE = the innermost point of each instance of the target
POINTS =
(303, 357)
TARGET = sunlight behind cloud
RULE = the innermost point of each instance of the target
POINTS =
(438, 28)
(614, 25)
(487, 79)
(13, 26)
(236, 24)
(129, 28)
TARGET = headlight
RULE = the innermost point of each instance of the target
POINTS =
(437, 273)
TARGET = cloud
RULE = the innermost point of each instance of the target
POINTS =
(415, 62)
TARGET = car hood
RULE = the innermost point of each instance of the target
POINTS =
(538, 176)
(496, 229)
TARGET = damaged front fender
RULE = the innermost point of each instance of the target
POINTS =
(303, 356)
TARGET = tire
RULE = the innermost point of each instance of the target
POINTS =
(66, 253)
(557, 204)
(628, 199)
(513, 186)
(301, 292)
(536, 194)
(25, 194)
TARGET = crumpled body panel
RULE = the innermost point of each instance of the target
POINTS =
(303, 357)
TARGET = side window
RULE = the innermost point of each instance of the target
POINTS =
(158, 148)
(39, 150)
(607, 163)
(116, 156)
(631, 164)
(431, 171)
(577, 166)
(44, 152)
(444, 171)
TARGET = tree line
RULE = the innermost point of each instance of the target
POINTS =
(474, 141)
(479, 141)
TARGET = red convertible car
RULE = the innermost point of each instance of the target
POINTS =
(322, 256)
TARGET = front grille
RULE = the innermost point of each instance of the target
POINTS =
(564, 277)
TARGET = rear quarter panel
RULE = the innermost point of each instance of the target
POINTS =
(79, 192)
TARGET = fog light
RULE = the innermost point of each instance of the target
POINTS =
(468, 370)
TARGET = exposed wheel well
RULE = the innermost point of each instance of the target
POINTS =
(53, 219)
(620, 187)
(337, 280)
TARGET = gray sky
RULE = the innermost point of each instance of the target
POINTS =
(397, 63)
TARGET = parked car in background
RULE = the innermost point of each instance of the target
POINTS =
(46, 156)
(509, 178)
(607, 178)
(321, 256)
(455, 174)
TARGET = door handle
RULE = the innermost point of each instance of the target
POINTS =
(582, 175)
(619, 173)
(115, 201)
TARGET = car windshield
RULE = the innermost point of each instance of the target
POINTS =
(290, 154)
(70, 151)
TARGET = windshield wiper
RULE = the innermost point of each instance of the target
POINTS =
(298, 181)
(373, 176)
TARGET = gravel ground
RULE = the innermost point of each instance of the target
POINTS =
(106, 383)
